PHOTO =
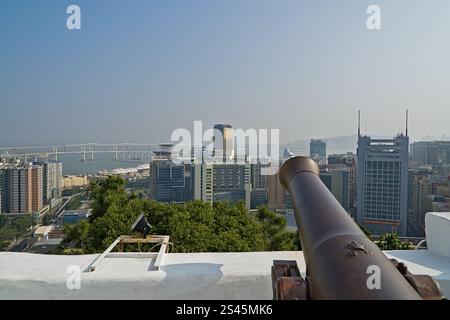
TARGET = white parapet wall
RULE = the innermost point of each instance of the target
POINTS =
(191, 276)
(238, 276)
(437, 229)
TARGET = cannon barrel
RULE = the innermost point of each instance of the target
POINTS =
(341, 262)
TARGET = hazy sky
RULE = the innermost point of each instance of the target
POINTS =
(139, 69)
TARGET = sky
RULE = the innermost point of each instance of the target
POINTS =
(137, 70)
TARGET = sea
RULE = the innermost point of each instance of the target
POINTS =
(73, 165)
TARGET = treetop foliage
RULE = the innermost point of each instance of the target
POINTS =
(193, 227)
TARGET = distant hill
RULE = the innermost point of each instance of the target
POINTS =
(342, 144)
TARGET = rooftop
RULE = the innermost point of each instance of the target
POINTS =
(244, 276)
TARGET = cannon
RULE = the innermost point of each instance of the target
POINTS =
(341, 261)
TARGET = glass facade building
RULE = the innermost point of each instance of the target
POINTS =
(382, 184)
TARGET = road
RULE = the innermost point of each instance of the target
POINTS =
(21, 244)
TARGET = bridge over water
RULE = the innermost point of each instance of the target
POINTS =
(133, 152)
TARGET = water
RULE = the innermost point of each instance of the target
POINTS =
(72, 165)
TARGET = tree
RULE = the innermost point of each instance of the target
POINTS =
(3, 221)
(107, 193)
(47, 219)
(12, 228)
(274, 226)
(390, 241)
(7, 235)
(74, 203)
(21, 224)
(193, 227)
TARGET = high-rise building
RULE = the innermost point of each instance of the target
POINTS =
(258, 179)
(229, 177)
(318, 150)
(340, 186)
(167, 179)
(22, 189)
(52, 182)
(258, 197)
(338, 182)
(431, 152)
(420, 200)
(223, 142)
(346, 161)
(382, 184)
(232, 182)
(202, 181)
(276, 195)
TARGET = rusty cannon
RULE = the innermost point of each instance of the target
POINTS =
(341, 261)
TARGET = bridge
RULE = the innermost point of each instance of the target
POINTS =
(120, 152)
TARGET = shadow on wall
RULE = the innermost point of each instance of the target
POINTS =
(191, 281)
(426, 262)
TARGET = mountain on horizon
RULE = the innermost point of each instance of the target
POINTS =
(344, 144)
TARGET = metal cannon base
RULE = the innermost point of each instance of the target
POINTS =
(288, 284)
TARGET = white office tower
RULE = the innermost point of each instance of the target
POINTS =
(382, 184)
(202, 175)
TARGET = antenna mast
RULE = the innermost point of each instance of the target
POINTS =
(359, 123)
(406, 122)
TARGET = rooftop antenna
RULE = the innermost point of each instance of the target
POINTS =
(359, 123)
(406, 123)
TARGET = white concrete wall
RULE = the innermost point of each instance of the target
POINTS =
(437, 229)
(206, 276)
(239, 276)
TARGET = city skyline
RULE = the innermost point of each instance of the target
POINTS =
(137, 72)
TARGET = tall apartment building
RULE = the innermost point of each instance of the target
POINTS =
(382, 184)
(420, 200)
(202, 182)
(223, 138)
(338, 182)
(232, 182)
(347, 161)
(276, 195)
(167, 179)
(258, 179)
(52, 182)
(22, 189)
(431, 152)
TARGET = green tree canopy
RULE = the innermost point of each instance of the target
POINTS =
(274, 226)
(390, 241)
(193, 227)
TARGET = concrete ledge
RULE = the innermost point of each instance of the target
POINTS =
(190, 276)
(437, 229)
(426, 262)
(206, 276)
